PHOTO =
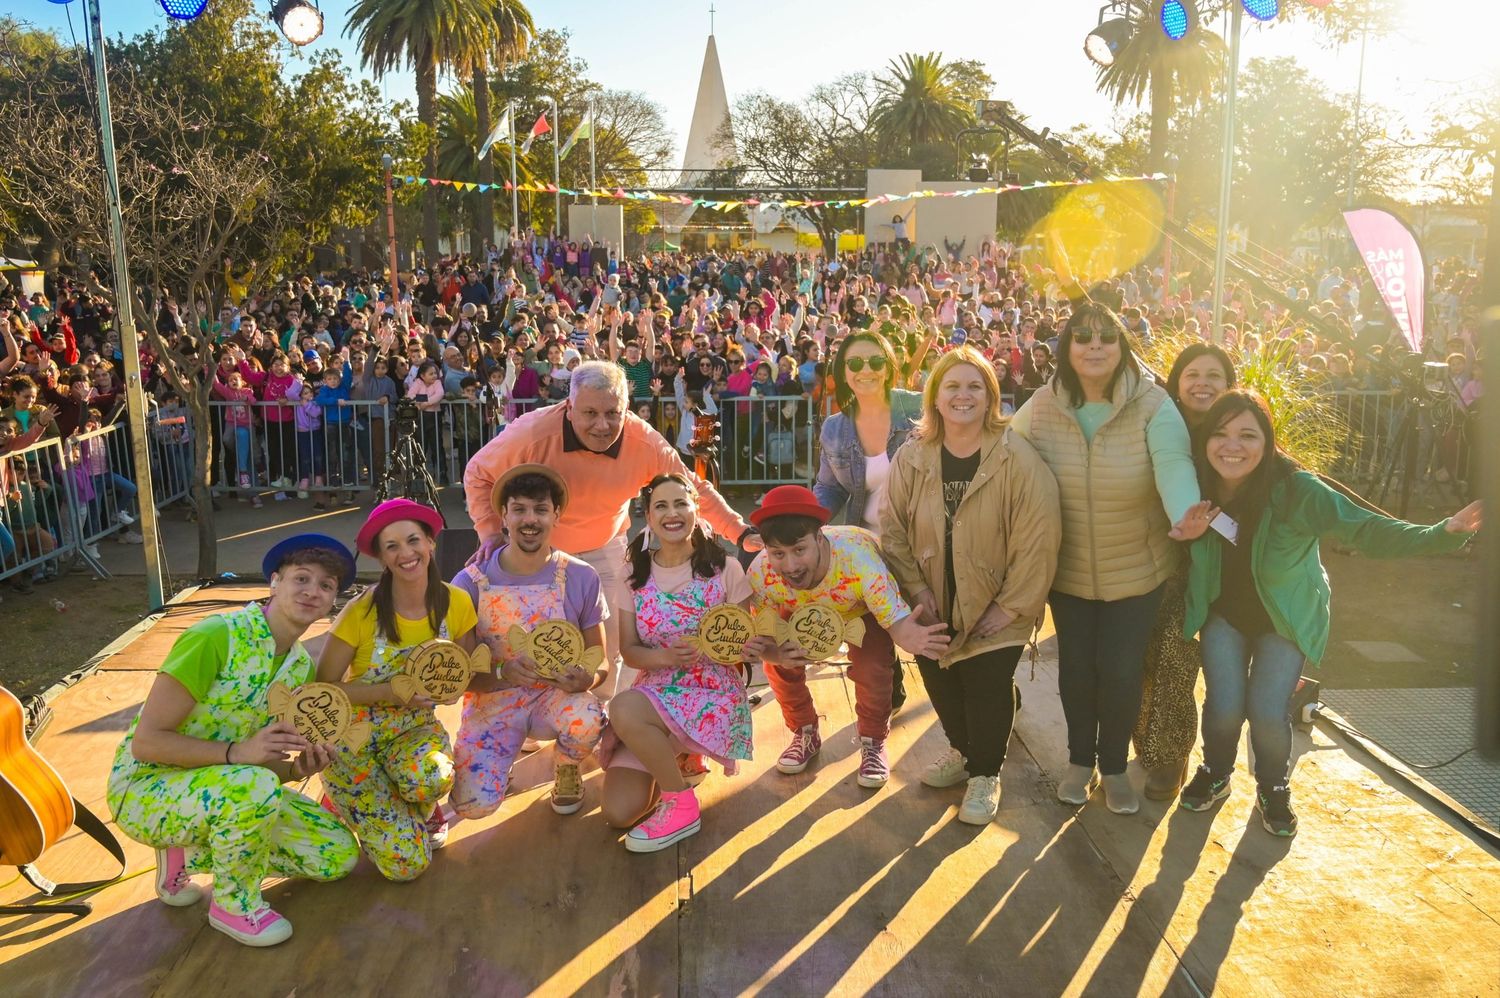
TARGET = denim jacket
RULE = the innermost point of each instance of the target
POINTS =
(841, 464)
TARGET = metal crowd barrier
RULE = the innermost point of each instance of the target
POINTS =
(765, 441)
(1373, 420)
(62, 497)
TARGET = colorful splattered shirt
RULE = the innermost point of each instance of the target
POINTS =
(857, 580)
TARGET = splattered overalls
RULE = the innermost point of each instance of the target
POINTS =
(237, 822)
(388, 789)
(495, 724)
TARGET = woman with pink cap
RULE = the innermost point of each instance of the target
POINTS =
(388, 791)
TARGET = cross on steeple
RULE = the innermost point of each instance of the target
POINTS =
(711, 19)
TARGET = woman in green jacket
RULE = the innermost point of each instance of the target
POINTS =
(1258, 593)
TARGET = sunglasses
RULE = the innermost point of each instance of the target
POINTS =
(857, 364)
(1086, 336)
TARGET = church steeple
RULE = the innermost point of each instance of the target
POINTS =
(707, 146)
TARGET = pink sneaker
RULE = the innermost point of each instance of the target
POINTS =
(674, 819)
(172, 883)
(259, 928)
(805, 745)
(874, 768)
(437, 828)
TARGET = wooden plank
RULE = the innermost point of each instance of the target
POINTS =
(825, 887)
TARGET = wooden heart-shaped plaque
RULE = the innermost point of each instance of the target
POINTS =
(440, 670)
(820, 630)
(555, 646)
(321, 713)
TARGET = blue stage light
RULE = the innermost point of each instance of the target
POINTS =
(183, 10)
(1175, 19)
(1262, 10)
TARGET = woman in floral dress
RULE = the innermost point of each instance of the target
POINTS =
(683, 701)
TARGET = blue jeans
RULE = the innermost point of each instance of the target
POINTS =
(1101, 658)
(1248, 680)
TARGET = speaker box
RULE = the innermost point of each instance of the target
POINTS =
(454, 547)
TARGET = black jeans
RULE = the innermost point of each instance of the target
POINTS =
(1101, 654)
(975, 700)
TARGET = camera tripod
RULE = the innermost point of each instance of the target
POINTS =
(406, 473)
(1420, 413)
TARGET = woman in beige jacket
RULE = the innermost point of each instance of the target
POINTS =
(971, 530)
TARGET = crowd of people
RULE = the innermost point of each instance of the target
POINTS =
(952, 504)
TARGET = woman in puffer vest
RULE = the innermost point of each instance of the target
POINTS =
(1124, 470)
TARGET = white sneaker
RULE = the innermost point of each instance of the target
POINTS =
(947, 770)
(123, 517)
(132, 537)
(92, 550)
(1075, 787)
(1119, 795)
(981, 800)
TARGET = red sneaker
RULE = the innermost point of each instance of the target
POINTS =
(437, 828)
(805, 745)
(692, 767)
(874, 767)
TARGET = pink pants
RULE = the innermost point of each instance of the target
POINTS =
(870, 667)
(495, 724)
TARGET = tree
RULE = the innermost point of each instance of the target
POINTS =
(1172, 73)
(921, 103)
(798, 151)
(427, 36)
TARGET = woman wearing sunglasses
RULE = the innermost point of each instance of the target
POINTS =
(859, 441)
(1124, 469)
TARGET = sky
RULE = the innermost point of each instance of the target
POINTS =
(1032, 48)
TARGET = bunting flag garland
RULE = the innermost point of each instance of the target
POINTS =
(499, 132)
(539, 129)
(620, 194)
(585, 130)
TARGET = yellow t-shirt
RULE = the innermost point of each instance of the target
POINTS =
(357, 627)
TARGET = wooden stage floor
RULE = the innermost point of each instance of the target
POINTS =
(810, 885)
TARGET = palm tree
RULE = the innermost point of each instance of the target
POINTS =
(918, 104)
(1183, 72)
(513, 29)
(458, 136)
(429, 36)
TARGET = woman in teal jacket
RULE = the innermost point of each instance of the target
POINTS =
(1258, 593)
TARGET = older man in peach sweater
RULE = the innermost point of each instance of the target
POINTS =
(606, 454)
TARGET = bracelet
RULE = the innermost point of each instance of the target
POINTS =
(227, 749)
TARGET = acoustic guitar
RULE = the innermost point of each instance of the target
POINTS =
(35, 807)
(36, 810)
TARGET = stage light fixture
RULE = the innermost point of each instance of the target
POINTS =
(1176, 18)
(298, 20)
(1262, 10)
(1106, 40)
(183, 10)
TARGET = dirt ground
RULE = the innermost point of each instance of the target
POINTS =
(43, 644)
(1430, 605)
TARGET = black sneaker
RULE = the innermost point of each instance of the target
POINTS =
(1275, 807)
(1204, 790)
(898, 687)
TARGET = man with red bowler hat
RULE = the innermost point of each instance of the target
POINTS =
(806, 561)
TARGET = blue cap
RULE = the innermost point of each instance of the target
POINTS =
(301, 542)
(309, 355)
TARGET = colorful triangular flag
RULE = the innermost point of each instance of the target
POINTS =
(539, 129)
